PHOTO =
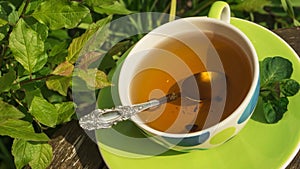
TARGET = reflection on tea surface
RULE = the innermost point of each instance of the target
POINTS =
(174, 61)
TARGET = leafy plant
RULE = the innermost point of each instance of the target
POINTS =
(40, 43)
(276, 87)
(41, 40)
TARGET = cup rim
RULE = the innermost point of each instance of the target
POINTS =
(242, 105)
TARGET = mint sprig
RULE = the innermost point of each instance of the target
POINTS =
(276, 86)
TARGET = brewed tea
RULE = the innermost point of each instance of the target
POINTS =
(172, 61)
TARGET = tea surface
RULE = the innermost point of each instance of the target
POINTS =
(172, 62)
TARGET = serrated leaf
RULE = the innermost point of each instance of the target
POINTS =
(38, 27)
(65, 111)
(88, 59)
(8, 111)
(42, 156)
(59, 84)
(64, 69)
(60, 13)
(7, 80)
(43, 111)
(20, 129)
(13, 17)
(94, 78)
(109, 7)
(20, 152)
(37, 155)
(78, 43)
(27, 47)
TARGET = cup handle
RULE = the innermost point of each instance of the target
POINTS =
(220, 10)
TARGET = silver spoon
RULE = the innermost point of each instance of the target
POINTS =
(190, 89)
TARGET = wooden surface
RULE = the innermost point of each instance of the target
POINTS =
(292, 37)
(72, 147)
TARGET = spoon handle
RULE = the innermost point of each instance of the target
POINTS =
(106, 118)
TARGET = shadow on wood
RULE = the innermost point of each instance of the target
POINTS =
(73, 148)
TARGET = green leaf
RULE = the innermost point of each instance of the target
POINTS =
(27, 47)
(252, 6)
(49, 114)
(59, 84)
(13, 17)
(61, 34)
(64, 69)
(38, 27)
(295, 3)
(94, 78)
(3, 22)
(65, 111)
(269, 112)
(20, 129)
(43, 111)
(59, 48)
(275, 69)
(4, 27)
(37, 155)
(288, 7)
(60, 13)
(88, 59)
(108, 61)
(280, 106)
(78, 43)
(7, 80)
(30, 94)
(108, 7)
(21, 152)
(3, 31)
(8, 111)
(289, 87)
(42, 156)
(3, 16)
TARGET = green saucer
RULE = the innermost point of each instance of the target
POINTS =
(257, 146)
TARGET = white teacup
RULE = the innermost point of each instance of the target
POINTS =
(216, 23)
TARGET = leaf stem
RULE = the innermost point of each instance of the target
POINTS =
(25, 8)
(30, 80)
